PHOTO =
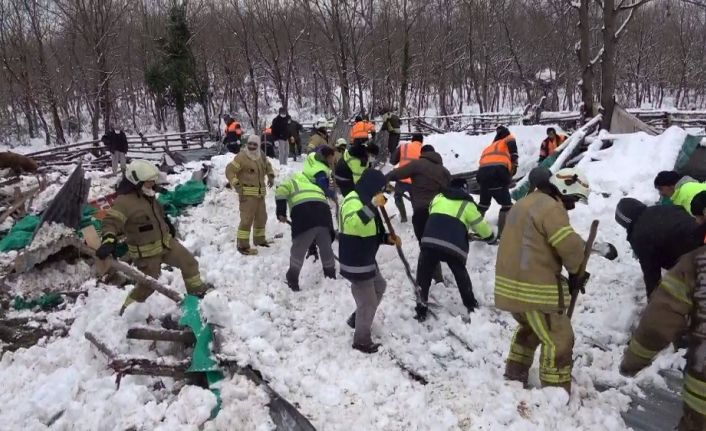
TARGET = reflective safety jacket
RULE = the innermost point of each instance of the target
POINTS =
(232, 132)
(141, 218)
(307, 203)
(319, 173)
(409, 152)
(248, 175)
(451, 215)
(687, 188)
(348, 171)
(550, 145)
(502, 152)
(360, 130)
(675, 307)
(536, 242)
(360, 235)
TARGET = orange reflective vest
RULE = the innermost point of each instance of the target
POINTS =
(497, 154)
(369, 126)
(234, 127)
(550, 145)
(408, 152)
(359, 131)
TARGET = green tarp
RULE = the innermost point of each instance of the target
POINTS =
(184, 195)
(687, 150)
(45, 302)
(20, 235)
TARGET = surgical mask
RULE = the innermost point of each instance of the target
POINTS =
(148, 191)
(282, 115)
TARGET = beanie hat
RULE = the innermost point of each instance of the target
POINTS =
(667, 178)
(370, 183)
(628, 211)
(418, 137)
(426, 149)
(698, 204)
(539, 176)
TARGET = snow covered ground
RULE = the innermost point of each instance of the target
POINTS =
(301, 343)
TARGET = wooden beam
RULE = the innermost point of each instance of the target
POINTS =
(155, 334)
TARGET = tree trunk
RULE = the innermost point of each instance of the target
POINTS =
(584, 54)
(608, 63)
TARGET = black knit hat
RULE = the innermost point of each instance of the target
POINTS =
(426, 149)
(628, 211)
(667, 178)
(370, 183)
(459, 183)
(418, 137)
(698, 204)
(539, 175)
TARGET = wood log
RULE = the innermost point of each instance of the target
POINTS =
(156, 334)
(149, 367)
(100, 345)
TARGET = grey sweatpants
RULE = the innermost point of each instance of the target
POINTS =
(117, 157)
(283, 150)
(300, 245)
(367, 294)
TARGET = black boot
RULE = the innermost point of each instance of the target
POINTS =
(367, 348)
(292, 280)
(473, 306)
(351, 320)
(330, 273)
(421, 313)
(437, 276)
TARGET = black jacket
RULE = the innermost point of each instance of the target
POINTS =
(280, 128)
(446, 233)
(115, 141)
(342, 172)
(306, 215)
(660, 236)
(294, 131)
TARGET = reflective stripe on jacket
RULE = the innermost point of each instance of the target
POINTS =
(312, 166)
(409, 152)
(359, 238)
(248, 174)
(142, 220)
(298, 190)
(359, 130)
(497, 154)
(686, 191)
(449, 222)
(536, 242)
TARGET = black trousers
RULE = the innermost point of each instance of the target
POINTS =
(429, 259)
(393, 140)
(501, 195)
(419, 221)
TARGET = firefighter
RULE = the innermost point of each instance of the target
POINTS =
(360, 131)
(537, 242)
(391, 123)
(319, 138)
(676, 307)
(451, 214)
(352, 164)
(149, 233)
(679, 189)
(659, 235)
(361, 233)
(401, 156)
(551, 143)
(498, 164)
(246, 174)
(312, 225)
(232, 134)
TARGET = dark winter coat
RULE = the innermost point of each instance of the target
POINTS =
(660, 236)
(429, 178)
(280, 128)
(294, 128)
(115, 141)
(342, 171)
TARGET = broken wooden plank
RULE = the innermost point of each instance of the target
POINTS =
(99, 345)
(150, 367)
(157, 334)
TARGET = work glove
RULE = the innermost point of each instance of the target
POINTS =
(379, 200)
(106, 249)
(312, 252)
(578, 283)
(492, 239)
(235, 185)
(392, 239)
(605, 249)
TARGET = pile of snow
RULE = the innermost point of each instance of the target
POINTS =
(301, 343)
(461, 152)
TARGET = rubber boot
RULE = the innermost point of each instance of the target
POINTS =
(399, 203)
(502, 217)
(517, 372)
(292, 280)
(330, 273)
(421, 311)
(351, 321)
(367, 348)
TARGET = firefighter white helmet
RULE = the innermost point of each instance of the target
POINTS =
(139, 171)
(571, 182)
(341, 142)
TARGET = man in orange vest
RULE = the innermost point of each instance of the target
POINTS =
(232, 134)
(498, 164)
(550, 144)
(360, 130)
(402, 155)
